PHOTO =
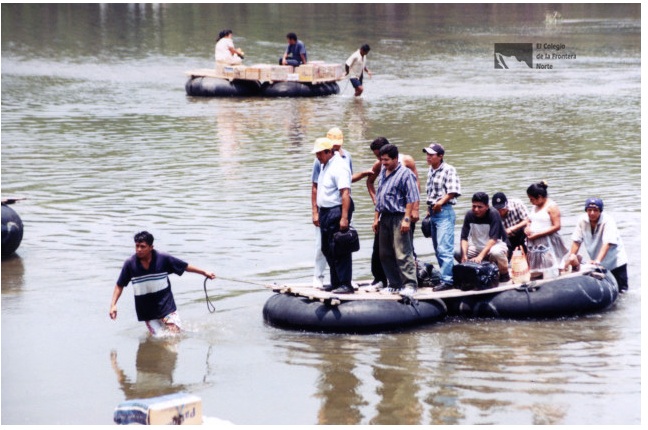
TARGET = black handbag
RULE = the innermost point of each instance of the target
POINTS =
(426, 226)
(475, 276)
(345, 242)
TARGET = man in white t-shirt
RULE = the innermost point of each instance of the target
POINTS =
(598, 234)
(335, 209)
(355, 67)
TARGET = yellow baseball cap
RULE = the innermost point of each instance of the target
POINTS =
(335, 134)
(322, 144)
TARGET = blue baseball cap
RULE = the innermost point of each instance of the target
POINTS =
(594, 202)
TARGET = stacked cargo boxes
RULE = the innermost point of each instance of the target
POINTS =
(313, 72)
(253, 73)
(280, 73)
(230, 72)
(306, 72)
(328, 72)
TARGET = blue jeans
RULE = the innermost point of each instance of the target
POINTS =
(443, 226)
(290, 62)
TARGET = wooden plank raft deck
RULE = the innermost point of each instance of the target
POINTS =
(364, 290)
(367, 292)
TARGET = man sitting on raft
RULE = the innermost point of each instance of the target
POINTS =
(295, 52)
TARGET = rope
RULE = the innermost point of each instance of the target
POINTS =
(345, 85)
(210, 306)
(242, 281)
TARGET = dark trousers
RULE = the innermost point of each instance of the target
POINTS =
(340, 267)
(621, 276)
(290, 62)
(396, 252)
(376, 266)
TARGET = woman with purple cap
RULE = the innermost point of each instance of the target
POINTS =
(598, 232)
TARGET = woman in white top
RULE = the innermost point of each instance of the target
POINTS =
(225, 51)
(546, 248)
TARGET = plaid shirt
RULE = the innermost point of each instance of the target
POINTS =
(517, 213)
(442, 181)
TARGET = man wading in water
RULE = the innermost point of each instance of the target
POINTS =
(148, 270)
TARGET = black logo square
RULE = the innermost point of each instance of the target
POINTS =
(513, 55)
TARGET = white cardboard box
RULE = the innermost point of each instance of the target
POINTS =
(179, 408)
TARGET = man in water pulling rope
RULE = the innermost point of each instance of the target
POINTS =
(148, 270)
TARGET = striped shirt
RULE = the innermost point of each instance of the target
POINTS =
(517, 213)
(153, 297)
(442, 181)
(397, 190)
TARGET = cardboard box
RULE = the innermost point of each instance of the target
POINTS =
(328, 72)
(280, 73)
(306, 72)
(224, 71)
(179, 408)
(338, 71)
(252, 73)
(265, 72)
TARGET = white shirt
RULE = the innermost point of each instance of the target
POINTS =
(356, 63)
(223, 53)
(334, 176)
(605, 232)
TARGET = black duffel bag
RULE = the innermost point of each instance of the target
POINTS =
(475, 276)
(345, 242)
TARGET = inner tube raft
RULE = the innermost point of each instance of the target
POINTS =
(206, 86)
(350, 316)
(594, 289)
(12, 230)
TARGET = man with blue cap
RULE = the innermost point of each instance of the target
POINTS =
(598, 232)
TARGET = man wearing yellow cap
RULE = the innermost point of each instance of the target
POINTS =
(337, 139)
(334, 211)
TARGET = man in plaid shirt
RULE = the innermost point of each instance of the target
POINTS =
(443, 188)
(515, 217)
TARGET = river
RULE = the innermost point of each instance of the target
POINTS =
(100, 138)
